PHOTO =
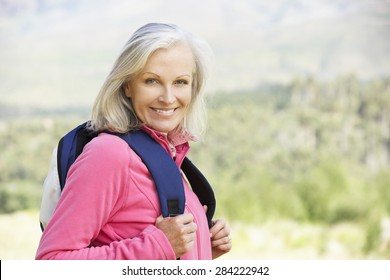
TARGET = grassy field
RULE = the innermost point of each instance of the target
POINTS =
(20, 233)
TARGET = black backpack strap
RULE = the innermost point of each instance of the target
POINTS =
(201, 187)
(165, 173)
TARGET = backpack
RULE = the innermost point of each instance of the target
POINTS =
(165, 173)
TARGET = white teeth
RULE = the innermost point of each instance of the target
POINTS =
(164, 112)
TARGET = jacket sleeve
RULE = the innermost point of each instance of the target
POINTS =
(96, 188)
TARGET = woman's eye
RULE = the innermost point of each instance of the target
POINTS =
(181, 82)
(150, 81)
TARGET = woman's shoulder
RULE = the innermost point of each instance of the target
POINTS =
(104, 139)
(107, 147)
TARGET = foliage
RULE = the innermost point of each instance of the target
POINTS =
(310, 151)
(26, 147)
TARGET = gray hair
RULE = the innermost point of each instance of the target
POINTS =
(114, 111)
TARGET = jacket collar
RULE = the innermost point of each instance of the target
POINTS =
(175, 143)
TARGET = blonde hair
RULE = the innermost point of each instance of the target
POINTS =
(113, 110)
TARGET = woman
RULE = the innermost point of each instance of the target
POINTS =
(155, 85)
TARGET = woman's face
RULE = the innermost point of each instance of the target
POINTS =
(161, 93)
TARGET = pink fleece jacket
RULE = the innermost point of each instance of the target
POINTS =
(109, 207)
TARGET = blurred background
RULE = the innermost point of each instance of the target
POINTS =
(298, 141)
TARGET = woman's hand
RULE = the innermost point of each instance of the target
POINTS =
(180, 231)
(220, 238)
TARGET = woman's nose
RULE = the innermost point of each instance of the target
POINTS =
(167, 95)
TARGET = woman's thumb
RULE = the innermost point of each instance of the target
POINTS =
(159, 219)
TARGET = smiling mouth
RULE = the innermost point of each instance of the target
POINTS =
(165, 112)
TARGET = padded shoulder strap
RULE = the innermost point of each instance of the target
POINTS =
(69, 148)
(165, 173)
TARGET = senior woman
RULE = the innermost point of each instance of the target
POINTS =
(109, 208)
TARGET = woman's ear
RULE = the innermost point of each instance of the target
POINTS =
(126, 89)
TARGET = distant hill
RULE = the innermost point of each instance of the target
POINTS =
(56, 53)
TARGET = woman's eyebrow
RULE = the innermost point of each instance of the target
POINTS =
(184, 75)
(158, 76)
(151, 73)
